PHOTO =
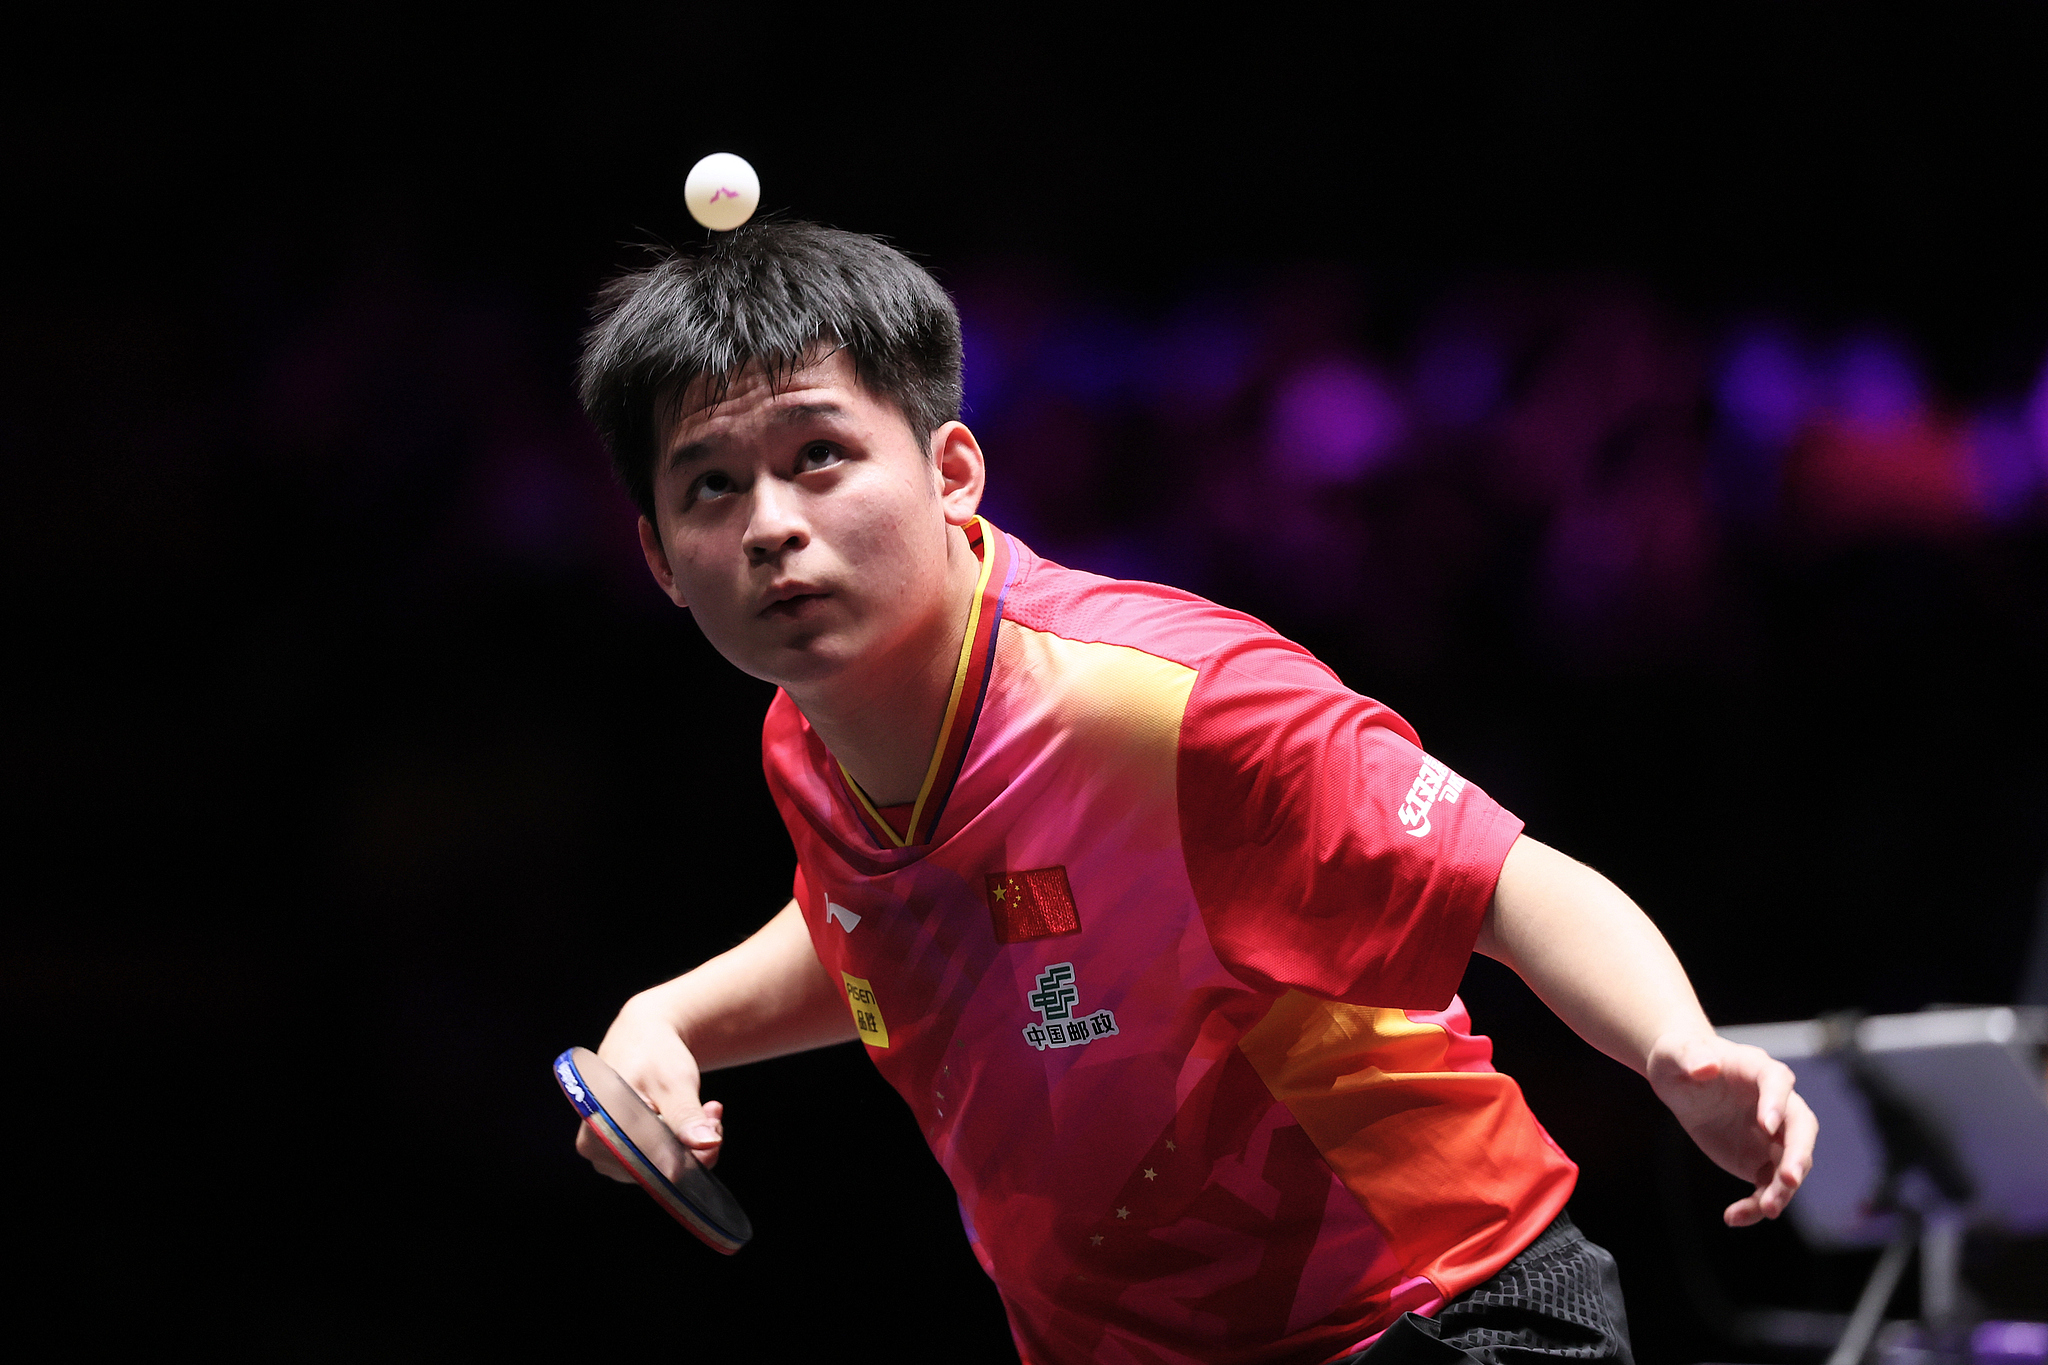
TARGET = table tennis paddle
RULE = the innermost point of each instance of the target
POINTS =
(651, 1154)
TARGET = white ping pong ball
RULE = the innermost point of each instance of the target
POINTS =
(722, 191)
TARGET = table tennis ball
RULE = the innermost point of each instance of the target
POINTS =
(722, 191)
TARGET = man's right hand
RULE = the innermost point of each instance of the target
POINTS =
(768, 997)
(647, 1052)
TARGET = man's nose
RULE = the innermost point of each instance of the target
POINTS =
(775, 522)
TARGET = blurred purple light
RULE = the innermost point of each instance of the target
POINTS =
(2037, 421)
(1333, 421)
(1190, 445)
(2009, 1343)
(2005, 465)
(1093, 359)
(1764, 391)
(1458, 380)
(985, 374)
(1201, 361)
(1876, 383)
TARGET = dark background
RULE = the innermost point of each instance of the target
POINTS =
(357, 769)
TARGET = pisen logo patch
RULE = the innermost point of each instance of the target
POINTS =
(867, 1015)
(1054, 995)
(1432, 784)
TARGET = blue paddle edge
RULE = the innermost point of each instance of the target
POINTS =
(680, 1206)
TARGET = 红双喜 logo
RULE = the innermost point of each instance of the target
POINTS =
(1433, 782)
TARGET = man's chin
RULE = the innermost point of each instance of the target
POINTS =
(803, 660)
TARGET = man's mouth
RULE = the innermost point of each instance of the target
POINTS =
(794, 603)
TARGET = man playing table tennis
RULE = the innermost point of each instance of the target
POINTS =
(1154, 924)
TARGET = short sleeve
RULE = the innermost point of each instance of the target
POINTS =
(1328, 852)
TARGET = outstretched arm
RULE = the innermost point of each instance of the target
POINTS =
(767, 997)
(1602, 967)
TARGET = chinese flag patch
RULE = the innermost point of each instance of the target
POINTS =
(1028, 905)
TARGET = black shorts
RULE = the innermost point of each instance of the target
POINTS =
(1559, 1300)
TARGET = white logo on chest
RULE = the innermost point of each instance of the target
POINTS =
(1054, 995)
(847, 919)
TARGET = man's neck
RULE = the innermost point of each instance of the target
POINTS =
(882, 722)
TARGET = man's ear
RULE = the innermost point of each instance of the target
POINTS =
(961, 473)
(657, 563)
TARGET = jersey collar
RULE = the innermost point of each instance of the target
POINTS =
(963, 705)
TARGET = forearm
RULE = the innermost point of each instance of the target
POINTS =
(1600, 964)
(1592, 956)
(765, 998)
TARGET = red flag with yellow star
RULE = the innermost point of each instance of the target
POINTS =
(1035, 904)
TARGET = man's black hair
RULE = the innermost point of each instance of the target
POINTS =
(772, 294)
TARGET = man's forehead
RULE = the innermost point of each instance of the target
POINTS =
(815, 388)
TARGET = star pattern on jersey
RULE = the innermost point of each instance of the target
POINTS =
(1095, 1239)
(1150, 1175)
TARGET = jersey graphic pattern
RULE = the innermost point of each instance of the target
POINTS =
(1257, 1125)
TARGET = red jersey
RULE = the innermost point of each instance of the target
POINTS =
(1164, 959)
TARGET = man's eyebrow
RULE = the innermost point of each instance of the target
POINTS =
(683, 454)
(797, 412)
(800, 412)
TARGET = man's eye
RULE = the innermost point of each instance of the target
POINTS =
(819, 455)
(712, 485)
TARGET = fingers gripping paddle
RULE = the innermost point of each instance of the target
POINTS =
(650, 1153)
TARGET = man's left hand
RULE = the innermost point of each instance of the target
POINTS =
(1738, 1104)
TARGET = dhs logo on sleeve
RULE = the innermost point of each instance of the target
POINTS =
(1433, 783)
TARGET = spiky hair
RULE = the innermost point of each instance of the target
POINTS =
(772, 295)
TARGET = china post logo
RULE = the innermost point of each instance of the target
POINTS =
(1056, 995)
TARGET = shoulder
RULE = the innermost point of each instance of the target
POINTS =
(1252, 686)
(1167, 622)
